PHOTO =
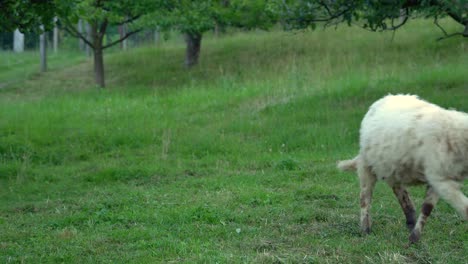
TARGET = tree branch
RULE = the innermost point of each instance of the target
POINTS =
(74, 32)
(401, 23)
(436, 22)
(131, 19)
(102, 28)
(450, 35)
(121, 39)
(446, 35)
(331, 16)
(456, 17)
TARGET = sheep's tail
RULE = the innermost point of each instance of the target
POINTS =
(348, 165)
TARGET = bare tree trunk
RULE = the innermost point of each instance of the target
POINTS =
(97, 37)
(193, 41)
(99, 67)
(43, 49)
(56, 35)
(18, 41)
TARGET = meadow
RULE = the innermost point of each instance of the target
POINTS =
(233, 161)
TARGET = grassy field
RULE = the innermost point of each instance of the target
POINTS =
(230, 162)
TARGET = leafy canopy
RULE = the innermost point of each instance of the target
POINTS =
(26, 15)
(375, 15)
(196, 17)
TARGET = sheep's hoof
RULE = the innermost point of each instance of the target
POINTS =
(414, 236)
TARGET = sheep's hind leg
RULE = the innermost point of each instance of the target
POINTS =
(406, 204)
(367, 183)
(450, 191)
(429, 202)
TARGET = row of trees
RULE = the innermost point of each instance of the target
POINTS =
(194, 17)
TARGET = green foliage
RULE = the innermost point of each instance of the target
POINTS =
(373, 15)
(252, 14)
(26, 15)
(96, 11)
(193, 17)
(197, 17)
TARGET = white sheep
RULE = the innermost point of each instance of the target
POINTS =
(407, 141)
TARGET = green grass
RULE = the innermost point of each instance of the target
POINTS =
(233, 161)
(17, 67)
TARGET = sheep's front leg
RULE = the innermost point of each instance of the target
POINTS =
(406, 204)
(429, 202)
(450, 191)
(367, 183)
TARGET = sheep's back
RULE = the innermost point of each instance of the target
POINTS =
(394, 137)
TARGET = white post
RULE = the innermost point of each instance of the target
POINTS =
(43, 49)
(18, 41)
(81, 44)
(156, 37)
(56, 35)
(122, 32)
(403, 15)
(89, 52)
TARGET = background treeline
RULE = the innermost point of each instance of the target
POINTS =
(92, 21)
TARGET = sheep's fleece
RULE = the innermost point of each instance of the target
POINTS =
(405, 141)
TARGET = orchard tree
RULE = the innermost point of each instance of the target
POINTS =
(101, 14)
(26, 15)
(194, 18)
(373, 15)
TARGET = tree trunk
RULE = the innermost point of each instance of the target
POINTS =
(18, 41)
(43, 49)
(97, 37)
(99, 67)
(193, 41)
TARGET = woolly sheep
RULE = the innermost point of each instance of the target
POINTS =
(407, 141)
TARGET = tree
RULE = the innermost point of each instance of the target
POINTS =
(376, 15)
(26, 15)
(101, 14)
(191, 18)
(194, 18)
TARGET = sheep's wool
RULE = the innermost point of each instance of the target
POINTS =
(404, 139)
